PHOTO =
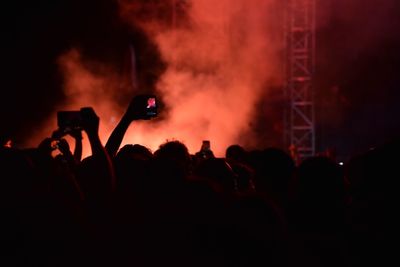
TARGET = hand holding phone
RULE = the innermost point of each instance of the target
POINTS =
(68, 120)
(143, 107)
(205, 151)
(205, 146)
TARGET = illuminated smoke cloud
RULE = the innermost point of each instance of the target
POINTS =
(219, 66)
(221, 58)
(91, 84)
(86, 83)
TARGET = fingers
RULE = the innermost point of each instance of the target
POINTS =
(76, 134)
(47, 145)
(63, 145)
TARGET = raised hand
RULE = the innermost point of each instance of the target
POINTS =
(90, 120)
(47, 145)
(135, 108)
(76, 134)
(63, 146)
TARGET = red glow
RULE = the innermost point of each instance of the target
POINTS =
(8, 144)
(218, 68)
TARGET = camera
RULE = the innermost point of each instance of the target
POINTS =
(69, 120)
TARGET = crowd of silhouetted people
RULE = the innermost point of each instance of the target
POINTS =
(130, 206)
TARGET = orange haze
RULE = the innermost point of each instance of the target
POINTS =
(219, 66)
(218, 69)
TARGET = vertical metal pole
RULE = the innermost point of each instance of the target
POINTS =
(300, 70)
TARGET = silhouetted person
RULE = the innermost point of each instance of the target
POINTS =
(98, 180)
(236, 153)
(49, 226)
(205, 152)
(317, 214)
(373, 183)
(274, 169)
(133, 112)
(219, 174)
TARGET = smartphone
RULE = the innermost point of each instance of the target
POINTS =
(206, 146)
(151, 107)
(148, 105)
(69, 120)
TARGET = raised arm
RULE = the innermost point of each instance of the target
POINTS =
(132, 113)
(77, 135)
(116, 137)
(104, 169)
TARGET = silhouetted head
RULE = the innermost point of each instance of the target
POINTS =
(135, 151)
(131, 164)
(236, 153)
(319, 196)
(274, 169)
(320, 180)
(219, 173)
(373, 174)
(174, 151)
(171, 164)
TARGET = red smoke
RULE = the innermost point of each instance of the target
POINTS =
(86, 83)
(219, 67)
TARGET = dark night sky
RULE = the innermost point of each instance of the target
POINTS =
(35, 34)
(358, 60)
(358, 52)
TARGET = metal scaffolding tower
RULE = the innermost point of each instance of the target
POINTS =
(300, 64)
